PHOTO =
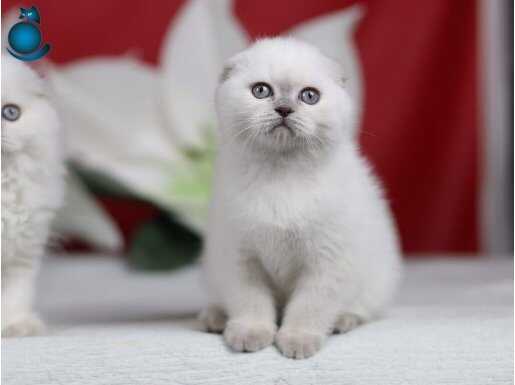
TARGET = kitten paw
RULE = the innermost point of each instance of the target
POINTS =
(29, 325)
(346, 322)
(298, 343)
(213, 319)
(248, 337)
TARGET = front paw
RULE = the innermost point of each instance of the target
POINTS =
(213, 319)
(295, 343)
(245, 336)
(28, 325)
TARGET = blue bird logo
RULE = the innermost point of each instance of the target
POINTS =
(25, 37)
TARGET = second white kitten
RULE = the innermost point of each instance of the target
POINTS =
(32, 190)
(299, 233)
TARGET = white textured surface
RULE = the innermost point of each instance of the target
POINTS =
(453, 324)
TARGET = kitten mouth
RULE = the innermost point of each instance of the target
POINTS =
(282, 125)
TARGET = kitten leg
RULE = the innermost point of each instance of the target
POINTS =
(309, 316)
(346, 322)
(251, 325)
(17, 316)
(28, 325)
(213, 319)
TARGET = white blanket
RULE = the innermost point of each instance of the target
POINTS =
(453, 324)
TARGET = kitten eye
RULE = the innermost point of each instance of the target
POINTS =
(309, 95)
(11, 112)
(261, 90)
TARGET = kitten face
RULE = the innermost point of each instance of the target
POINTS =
(284, 95)
(27, 117)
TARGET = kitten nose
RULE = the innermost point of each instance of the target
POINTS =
(284, 111)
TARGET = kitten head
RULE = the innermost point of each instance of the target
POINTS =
(283, 95)
(28, 119)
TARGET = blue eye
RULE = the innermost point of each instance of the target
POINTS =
(261, 90)
(11, 112)
(310, 95)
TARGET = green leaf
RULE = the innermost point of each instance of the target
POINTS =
(163, 244)
(100, 183)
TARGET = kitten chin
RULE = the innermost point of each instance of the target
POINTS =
(32, 190)
(300, 241)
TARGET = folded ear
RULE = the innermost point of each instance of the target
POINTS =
(231, 65)
(226, 72)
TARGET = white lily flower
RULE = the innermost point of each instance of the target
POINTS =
(82, 217)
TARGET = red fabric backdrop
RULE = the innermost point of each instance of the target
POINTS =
(419, 61)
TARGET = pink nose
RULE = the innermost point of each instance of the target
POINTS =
(284, 111)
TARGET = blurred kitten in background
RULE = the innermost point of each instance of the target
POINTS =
(32, 190)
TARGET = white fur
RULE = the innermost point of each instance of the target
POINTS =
(32, 190)
(299, 232)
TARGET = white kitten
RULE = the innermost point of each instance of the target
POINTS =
(299, 232)
(32, 190)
